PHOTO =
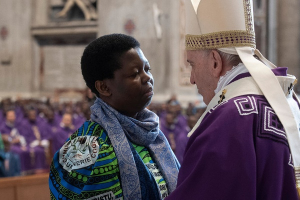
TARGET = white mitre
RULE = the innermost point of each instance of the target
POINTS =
(228, 25)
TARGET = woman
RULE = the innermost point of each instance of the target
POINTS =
(120, 153)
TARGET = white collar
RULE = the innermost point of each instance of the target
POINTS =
(230, 75)
(9, 124)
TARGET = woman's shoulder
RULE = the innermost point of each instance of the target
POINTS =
(90, 128)
(86, 165)
(91, 142)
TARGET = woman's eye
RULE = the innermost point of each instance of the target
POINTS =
(135, 74)
(147, 69)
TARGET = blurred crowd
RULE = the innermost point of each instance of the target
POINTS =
(32, 130)
(176, 122)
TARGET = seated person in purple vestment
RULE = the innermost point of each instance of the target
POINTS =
(175, 133)
(11, 134)
(246, 144)
(11, 129)
(78, 117)
(191, 109)
(192, 120)
(37, 135)
(1, 117)
(62, 132)
(175, 108)
(51, 120)
(120, 153)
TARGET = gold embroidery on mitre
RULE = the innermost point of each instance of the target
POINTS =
(221, 39)
(248, 16)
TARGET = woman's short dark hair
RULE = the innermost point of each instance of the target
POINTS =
(101, 58)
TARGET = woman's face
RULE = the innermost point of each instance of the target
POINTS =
(132, 85)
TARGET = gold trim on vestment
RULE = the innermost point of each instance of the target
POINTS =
(236, 38)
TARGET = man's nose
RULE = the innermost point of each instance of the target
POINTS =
(192, 80)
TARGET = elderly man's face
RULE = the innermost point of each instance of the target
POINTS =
(132, 85)
(201, 74)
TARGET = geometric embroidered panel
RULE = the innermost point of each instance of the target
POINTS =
(272, 122)
(218, 105)
(269, 124)
(246, 105)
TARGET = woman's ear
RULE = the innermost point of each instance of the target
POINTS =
(218, 64)
(102, 88)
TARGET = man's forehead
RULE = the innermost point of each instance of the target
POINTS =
(192, 55)
(196, 53)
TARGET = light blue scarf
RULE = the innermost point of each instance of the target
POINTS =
(144, 131)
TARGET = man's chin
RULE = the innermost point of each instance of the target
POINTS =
(206, 99)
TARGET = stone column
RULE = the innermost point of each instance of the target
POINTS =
(41, 12)
(15, 75)
(272, 31)
(288, 36)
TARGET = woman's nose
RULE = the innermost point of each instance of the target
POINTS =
(147, 77)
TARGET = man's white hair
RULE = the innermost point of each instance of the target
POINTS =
(231, 59)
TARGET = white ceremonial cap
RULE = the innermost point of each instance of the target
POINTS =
(214, 24)
(228, 25)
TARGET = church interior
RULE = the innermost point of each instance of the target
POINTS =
(44, 99)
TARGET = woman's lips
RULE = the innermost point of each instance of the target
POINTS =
(149, 92)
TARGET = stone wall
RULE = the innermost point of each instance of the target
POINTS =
(62, 67)
(40, 53)
(15, 48)
(164, 53)
(57, 47)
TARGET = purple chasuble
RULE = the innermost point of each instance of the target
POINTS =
(2, 119)
(38, 153)
(60, 136)
(20, 116)
(58, 116)
(78, 120)
(239, 151)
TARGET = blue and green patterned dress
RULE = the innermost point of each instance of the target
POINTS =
(101, 180)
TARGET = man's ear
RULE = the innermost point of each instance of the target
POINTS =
(217, 65)
(102, 88)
